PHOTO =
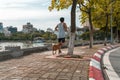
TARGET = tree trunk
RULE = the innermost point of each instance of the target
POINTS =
(106, 30)
(73, 28)
(71, 44)
(117, 30)
(118, 36)
(91, 39)
(90, 29)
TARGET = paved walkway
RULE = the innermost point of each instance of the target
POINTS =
(38, 67)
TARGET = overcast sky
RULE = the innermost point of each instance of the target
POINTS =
(18, 12)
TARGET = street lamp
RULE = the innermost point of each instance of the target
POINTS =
(111, 22)
(111, 26)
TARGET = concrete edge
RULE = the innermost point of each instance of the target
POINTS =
(95, 67)
(10, 54)
(108, 70)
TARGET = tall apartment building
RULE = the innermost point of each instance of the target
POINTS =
(28, 28)
(1, 27)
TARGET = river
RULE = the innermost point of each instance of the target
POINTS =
(21, 44)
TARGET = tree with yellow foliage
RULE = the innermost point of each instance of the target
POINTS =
(87, 8)
(61, 4)
(105, 11)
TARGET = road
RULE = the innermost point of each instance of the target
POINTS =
(115, 61)
(111, 61)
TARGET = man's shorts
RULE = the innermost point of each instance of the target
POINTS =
(61, 40)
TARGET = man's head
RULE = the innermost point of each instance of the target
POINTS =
(62, 19)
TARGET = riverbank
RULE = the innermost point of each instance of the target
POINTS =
(29, 48)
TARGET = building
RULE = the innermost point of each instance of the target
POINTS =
(86, 25)
(9, 30)
(12, 29)
(81, 30)
(6, 32)
(28, 28)
(1, 27)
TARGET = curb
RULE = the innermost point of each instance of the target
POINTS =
(95, 70)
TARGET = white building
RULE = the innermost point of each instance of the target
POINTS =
(28, 28)
(6, 32)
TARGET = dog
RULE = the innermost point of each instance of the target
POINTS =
(56, 47)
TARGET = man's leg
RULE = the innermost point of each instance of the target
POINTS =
(61, 41)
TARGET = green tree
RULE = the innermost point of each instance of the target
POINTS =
(104, 9)
(1, 36)
(116, 18)
(61, 4)
(87, 8)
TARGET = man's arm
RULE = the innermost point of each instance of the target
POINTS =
(65, 27)
(56, 28)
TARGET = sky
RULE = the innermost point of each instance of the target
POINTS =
(17, 13)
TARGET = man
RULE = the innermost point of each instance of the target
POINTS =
(61, 28)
